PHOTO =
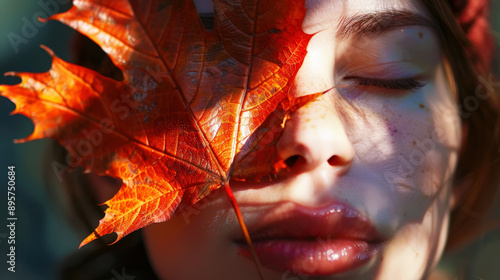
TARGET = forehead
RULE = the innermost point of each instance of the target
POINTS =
(326, 14)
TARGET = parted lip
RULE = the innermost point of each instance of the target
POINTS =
(293, 221)
(334, 238)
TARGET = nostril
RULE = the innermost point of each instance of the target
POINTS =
(291, 160)
(335, 161)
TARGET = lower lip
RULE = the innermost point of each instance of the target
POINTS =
(314, 258)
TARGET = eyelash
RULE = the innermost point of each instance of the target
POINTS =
(399, 84)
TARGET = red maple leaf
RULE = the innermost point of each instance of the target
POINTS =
(195, 107)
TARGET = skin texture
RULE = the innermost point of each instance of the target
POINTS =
(388, 153)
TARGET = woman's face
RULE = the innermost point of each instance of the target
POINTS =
(368, 192)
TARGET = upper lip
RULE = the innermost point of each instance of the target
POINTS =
(291, 221)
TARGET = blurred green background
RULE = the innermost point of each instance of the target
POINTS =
(43, 238)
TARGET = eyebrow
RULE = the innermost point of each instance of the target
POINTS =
(372, 24)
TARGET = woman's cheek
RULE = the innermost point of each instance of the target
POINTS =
(410, 143)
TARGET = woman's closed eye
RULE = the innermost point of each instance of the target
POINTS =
(407, 84)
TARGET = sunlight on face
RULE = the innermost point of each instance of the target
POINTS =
(368, 192)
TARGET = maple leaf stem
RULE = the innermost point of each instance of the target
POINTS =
(248, 240)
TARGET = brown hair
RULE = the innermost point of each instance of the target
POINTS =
(479, 104)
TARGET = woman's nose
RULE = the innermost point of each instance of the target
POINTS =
(315, 137)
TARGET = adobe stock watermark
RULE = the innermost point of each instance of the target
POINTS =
(471, 103)
(121, 275)
(93, 138)
(31, 25)
(121, 108)
(408, 164)
(187, 211)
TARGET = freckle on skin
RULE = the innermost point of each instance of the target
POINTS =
(421, 105)
(420, 34)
